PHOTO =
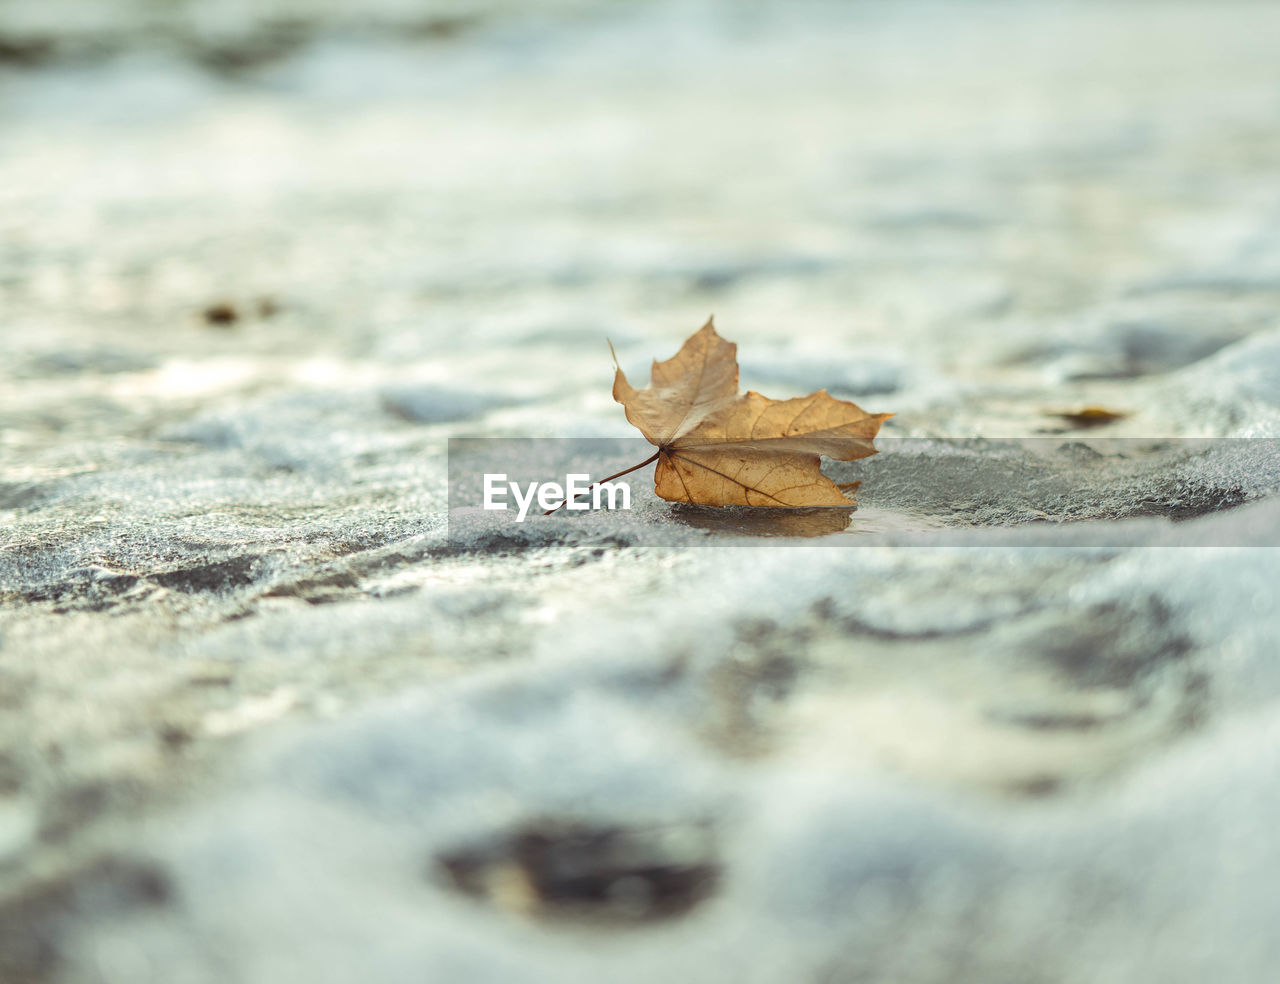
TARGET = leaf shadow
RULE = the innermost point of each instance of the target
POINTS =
(761, 521)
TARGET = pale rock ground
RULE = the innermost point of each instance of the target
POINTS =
(267, 717)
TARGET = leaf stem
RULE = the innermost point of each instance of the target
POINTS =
(595, 485)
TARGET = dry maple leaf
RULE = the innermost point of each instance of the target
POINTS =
(719, 447)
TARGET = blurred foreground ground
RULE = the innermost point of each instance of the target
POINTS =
(262, 721)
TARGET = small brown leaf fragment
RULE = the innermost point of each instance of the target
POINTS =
(222, 313)
(1091, 416)
(717, 447)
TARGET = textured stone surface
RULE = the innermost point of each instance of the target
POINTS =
(266, 717)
